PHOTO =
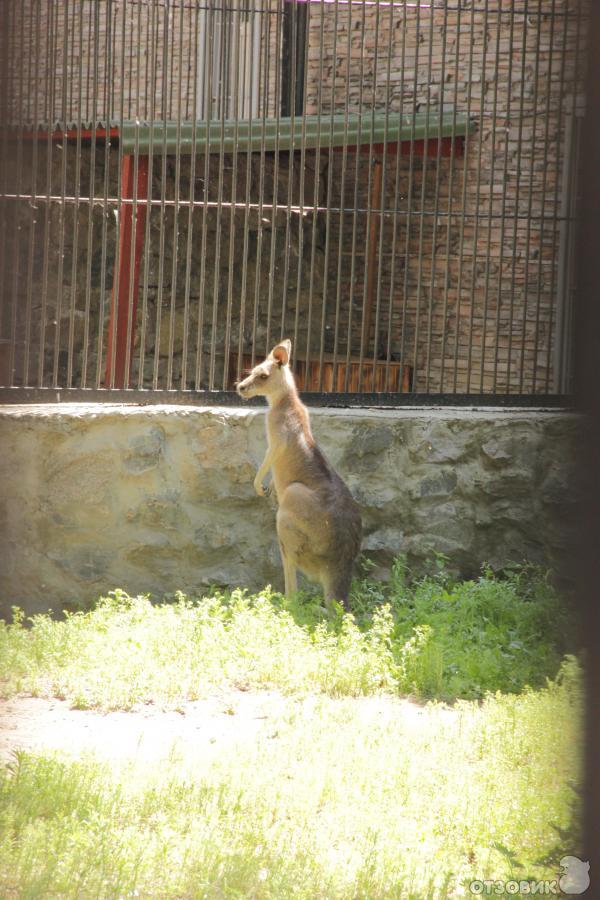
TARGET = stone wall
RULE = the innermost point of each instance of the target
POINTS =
(156, 499)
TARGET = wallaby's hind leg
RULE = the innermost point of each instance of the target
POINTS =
(289, 573)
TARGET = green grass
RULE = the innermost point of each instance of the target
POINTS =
(345, 798)
(348, 793)
(430, 637)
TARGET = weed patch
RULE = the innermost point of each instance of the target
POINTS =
(431, 637)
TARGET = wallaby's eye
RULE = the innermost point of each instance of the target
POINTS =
(263, 376)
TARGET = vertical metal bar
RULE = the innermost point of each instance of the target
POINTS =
(77, 191)
(563, 374)
(378, 350)
(16, 92)
(63, 190)
(127, 86)
(504, 198)
(306, 37)
(277, 117)
(477, 216)
(185, 65)
(343, 168)
(117, 321)
(374, 174)
(566, 206)
(517, 199)
(108, 109)
(219, 212)
(558, 147)
(137, 217)
(265, 62)
(177, 201)
(7, 116)
(251, 65)
(476, 222)
(395, 210)
(150, 91)
(26, 53)
(138, 30)
(357, 180)
(330, 170)
(436, 206)
(543, 192)
(171, 68)
(313, 241)
(34, 89)
(89, 56)
(422, 204)
(371, 259)
(50, 82)
(532, 177)
(490, 216)
(146, 35)
(409, 202)
(234, 112)
(70, 64)
(292, 6)
(451, 214)
(194, 48)
(207, 89)
(163, 188)
(94, 25)
(20, 182)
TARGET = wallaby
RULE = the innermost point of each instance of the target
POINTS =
(318, 523)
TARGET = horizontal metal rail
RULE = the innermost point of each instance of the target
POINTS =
(282, 134)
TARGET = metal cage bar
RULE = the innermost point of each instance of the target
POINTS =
(389, 183)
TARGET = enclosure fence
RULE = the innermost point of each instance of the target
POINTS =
(390, 184)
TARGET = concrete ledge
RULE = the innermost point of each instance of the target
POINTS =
(159, 498)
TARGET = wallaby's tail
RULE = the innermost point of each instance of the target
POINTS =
(337, 586)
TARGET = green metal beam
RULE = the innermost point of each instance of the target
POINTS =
(287, 133)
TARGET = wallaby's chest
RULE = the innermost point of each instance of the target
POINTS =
(282, 430)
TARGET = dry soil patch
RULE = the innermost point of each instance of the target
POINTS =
(199, 728)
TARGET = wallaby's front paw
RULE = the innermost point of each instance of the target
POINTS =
(261, 489)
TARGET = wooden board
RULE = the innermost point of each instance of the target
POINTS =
(392, 376)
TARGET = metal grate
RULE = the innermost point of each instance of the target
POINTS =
(390, 184)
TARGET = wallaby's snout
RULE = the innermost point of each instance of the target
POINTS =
(248, 386)
(242, 388)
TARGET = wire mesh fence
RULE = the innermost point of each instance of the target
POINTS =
(390, 184)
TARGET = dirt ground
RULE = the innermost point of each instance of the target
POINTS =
(201, 728)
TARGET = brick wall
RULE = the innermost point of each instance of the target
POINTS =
(93, 61)
(467, 271)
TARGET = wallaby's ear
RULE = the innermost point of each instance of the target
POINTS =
(282, 352)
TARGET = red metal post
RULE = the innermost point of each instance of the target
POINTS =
(123, 308)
